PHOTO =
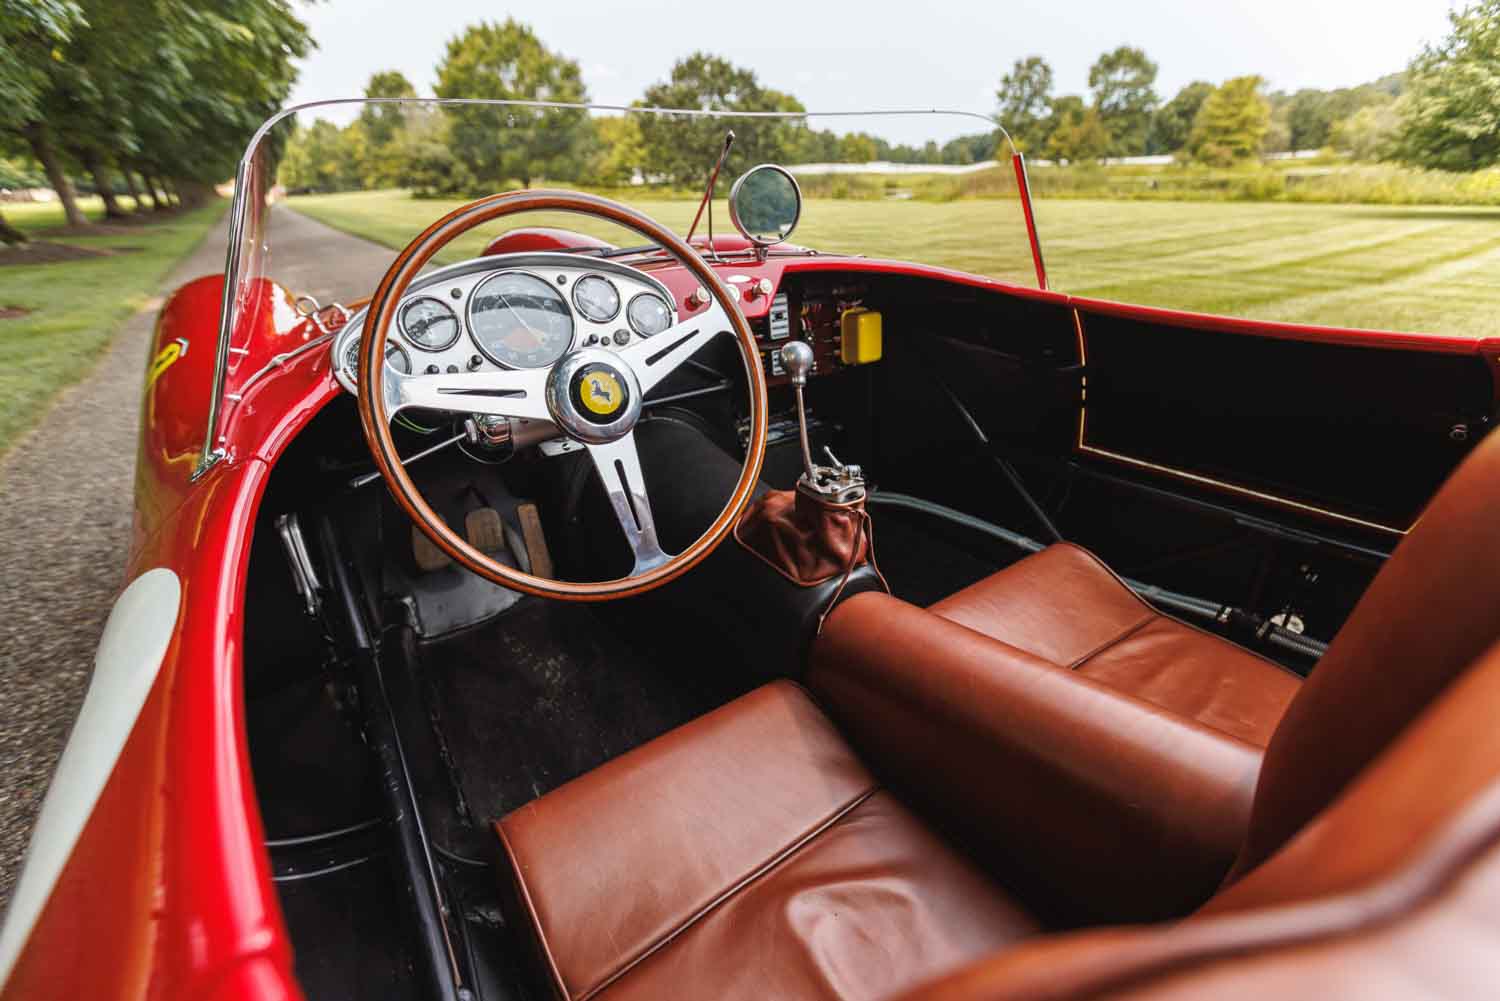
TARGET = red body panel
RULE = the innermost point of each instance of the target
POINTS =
(168, 893)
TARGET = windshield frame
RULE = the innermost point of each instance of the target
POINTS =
(249, 187)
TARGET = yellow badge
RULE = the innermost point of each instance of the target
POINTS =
(601, 393)
(165, 359)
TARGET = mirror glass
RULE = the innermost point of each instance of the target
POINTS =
(765, 204)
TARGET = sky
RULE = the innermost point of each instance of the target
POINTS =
(879, 53)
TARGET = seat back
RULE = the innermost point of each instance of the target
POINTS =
(1430, 613)
(1391, 892)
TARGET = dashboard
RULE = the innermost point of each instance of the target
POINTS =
(514, 311)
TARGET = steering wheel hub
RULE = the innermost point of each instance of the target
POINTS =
(593, 396)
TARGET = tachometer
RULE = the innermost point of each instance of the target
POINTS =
(520, 321)
(429, 323)
(648, 314)
(596, 298)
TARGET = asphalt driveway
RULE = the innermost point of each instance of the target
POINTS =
(65, 511)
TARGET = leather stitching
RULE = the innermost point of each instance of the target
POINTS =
(732, 890)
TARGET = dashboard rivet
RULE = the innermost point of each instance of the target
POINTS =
(562, 279)
(452, 369)
(433, 370)
(475, 361)
(456, 293)
(621, 336)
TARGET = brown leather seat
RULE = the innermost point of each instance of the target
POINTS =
(751, 839)
(1066, 607)
(751, 854)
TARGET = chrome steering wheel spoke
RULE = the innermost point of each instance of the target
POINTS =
(619, 467)
(520, 393)
(658, 357)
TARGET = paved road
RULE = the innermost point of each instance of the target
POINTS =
(65, 506)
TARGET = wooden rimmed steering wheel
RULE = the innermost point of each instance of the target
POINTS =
(566, 394)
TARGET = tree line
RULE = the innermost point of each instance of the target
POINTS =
(1441, 112)
(154, 98)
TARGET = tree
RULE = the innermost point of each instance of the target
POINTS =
(1173, 121)
(1121, 82)
(683, 150)
(32, 36)
(1232, 122)
(381, 128)
(1078, 133)
(1450, 117)
(322, 157)
(1368, 134)
(1025, 97)
(621, 150)
(496, 144)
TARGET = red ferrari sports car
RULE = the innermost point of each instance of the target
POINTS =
(603, 610)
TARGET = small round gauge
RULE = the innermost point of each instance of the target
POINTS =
(648, 314)
(597, 298)
(520, 321)
(429, 323)
(395, 356)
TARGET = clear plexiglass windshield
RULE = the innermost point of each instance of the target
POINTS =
(327, 194)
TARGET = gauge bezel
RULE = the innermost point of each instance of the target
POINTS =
(573, 295)
(391, 347)
(630, 320)
(458, 324)
(474, 331)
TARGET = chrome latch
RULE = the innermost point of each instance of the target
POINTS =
(303, 575)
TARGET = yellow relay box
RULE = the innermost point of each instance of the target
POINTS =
(860, 343)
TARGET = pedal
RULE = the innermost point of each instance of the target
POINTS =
(536, 541)
(428, 556)
(485, 531)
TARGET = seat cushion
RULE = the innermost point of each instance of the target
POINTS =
(748, 854)
(1066, 607)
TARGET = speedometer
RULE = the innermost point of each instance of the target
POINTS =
(520, 321)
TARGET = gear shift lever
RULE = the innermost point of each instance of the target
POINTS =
(797, 359)
(838, 483)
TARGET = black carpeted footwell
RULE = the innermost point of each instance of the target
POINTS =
(551, 691)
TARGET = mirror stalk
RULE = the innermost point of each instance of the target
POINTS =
(708, 196)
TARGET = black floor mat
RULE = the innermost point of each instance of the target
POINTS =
(551, 691)
(925, 559)
(312, 770)
(350, 934)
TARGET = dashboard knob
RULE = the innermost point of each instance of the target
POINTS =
(759, 287)
(698, 297)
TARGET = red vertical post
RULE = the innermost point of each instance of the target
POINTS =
(1023, 185)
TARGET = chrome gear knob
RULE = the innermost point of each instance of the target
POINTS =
(797, 359)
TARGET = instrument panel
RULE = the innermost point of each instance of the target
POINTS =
(516, 311)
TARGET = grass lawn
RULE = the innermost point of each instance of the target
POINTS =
(1384, 267)
(76, 306)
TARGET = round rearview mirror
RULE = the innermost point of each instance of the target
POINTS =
(765, 204)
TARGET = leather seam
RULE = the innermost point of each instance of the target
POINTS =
(1116, 640)
(536, 921)
(1155, 611)
(731, 891)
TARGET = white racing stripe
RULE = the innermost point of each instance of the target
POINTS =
(140, 627)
